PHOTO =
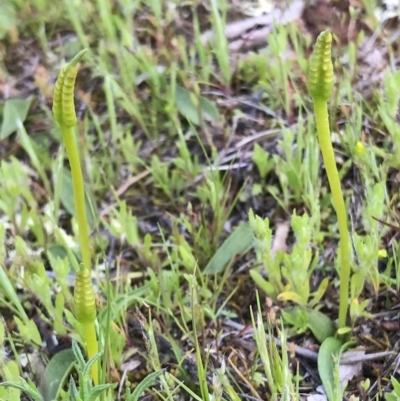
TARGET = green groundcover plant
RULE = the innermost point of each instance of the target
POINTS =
(294, 268)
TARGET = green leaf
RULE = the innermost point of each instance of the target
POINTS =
(10, 372)
(10, 293)
(317, 295)
(240, 241)
(7, 18)
(55, 374)
(33, 331)
(143, 385)
(326, 364)
(290, 296)
(189, 109)
(24, 387)
(392, 397)
(57, 251)
(321, 326)
(67, 198)
(261, 282)
(28, 330)
(14, 110)
(295, 317)
(96, 391)
(262, 160)
(395, 384)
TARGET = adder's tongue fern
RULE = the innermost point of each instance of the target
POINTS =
(64, 114)
(320, 85)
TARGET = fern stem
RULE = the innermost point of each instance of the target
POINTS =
(322, 121)
(92, 348)
(79, 193)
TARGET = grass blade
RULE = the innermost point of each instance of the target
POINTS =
(240, 241)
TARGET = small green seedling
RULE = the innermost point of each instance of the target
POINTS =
(320, 85)
(64, 114)
(288, 274)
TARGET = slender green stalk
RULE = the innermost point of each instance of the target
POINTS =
(320, 85)
(322, 121)
(84, 298)
(79, 193)
(92, 347)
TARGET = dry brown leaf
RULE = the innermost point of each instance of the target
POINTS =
(42, 80)
(348, 371)
(281, 234)
(131, 365)
(351, 363)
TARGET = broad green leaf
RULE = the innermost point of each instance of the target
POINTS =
(56, 373)
(57, 251)
(14, 110)
(321, 326)
(295, 317)
(143, 385)
(188, 108)
(240, 241)
(392, 396)
(396, 386)
(329, 349)
(67, 198)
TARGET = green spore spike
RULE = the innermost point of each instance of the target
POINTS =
(63, 102)
(84, 299)
(57, 97)
(67, 97)
(320, 75)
